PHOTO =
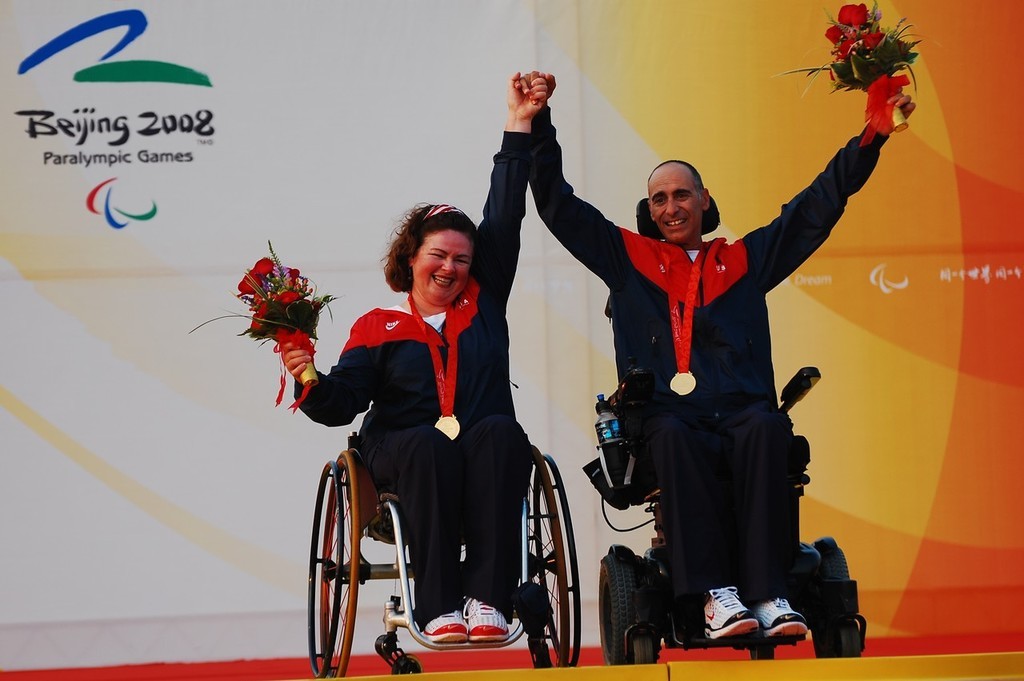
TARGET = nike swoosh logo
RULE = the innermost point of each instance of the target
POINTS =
(390, 325)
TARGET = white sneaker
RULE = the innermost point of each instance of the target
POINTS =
(485, 622)
(447, 628)
(777, 618)
(725, 615)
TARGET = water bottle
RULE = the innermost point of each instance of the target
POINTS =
(615, 458)
(608, 429)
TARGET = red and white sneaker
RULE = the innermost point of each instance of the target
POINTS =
(485, 622)
(447, 628)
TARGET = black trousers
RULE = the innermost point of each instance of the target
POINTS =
(470, 490)
(725, 500)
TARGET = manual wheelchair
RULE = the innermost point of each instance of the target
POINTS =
(349, 508)
(636, 604)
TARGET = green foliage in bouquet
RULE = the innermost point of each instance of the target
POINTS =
(280, 299)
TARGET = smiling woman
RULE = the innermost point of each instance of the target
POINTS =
(440, 269)
(441, 429)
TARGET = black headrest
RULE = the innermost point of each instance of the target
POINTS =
(645, 225)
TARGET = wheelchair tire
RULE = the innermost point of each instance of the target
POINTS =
(846, 639)
(334, 548)
(836, 638)
(616, 585)
(645, 648)
(407, 664)
(833, 565)
(549, 559)
(575, 627)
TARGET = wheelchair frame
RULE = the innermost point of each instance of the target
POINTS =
(632, 599)
(348, 509)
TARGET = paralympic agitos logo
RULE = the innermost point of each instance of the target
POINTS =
(109, 210)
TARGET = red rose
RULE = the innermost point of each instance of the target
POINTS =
(258, 273)
(258, 315)
(834, 34)
(843, 49)
(245, 287)
(871, 40)
(288, 297)
(265, 266)
(853, 15)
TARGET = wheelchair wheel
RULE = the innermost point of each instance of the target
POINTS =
(552, 560)
(645, 648)
(846, 639)
(616, 584)
(574, 632)
(334, 550)
(842, 637)
(407, 664)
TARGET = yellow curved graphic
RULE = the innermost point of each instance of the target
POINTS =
(248, 558)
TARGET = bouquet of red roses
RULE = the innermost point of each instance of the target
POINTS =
(867, 57)
(283, 307)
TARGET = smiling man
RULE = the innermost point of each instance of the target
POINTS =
(677, 200)
(694, 313)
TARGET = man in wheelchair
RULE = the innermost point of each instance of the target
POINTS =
(695, 314)
(700, 527)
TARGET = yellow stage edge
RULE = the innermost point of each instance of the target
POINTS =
(973, 667)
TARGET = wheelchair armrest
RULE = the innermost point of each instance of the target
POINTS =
(635, 389)
(798, 386)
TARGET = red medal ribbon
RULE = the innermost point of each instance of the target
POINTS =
(446, 376)
(682, 325)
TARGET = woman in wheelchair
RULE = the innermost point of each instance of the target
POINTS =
(433, 372)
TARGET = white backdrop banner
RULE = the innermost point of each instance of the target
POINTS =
(156, 506)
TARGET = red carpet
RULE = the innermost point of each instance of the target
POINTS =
(369, 665)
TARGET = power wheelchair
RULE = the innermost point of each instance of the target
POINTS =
(636, 604)
(349, 509)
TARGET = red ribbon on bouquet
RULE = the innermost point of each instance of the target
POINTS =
(302, 340)
(879, 111)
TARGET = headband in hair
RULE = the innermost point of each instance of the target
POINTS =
(441, 209)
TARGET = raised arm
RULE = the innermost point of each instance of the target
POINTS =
(498, 241)
(590, 237)
(779, 248)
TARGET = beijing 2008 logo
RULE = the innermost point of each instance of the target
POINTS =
(134, 23)
(133, 71)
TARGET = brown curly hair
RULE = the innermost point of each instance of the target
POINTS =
(409, 235)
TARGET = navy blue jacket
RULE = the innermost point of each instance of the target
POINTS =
(731, 347)
(386, 362)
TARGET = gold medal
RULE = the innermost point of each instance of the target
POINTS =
(683, 383)
(449, 425)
